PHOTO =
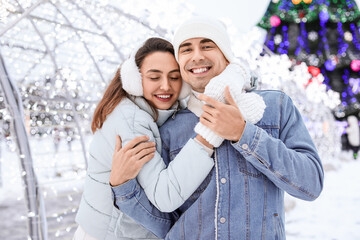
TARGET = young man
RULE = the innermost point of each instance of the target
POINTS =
(243, 196)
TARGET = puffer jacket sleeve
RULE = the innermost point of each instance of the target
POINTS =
(167, 188)
(290, 161)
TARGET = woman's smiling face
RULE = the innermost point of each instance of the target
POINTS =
(161, 79)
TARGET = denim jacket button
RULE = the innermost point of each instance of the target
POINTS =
(222, 220)
(245, 146)
(223, 180)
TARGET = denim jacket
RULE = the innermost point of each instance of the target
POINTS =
(243, 196)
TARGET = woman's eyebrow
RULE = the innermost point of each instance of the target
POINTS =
(154, 70)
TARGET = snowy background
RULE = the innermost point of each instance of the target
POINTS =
(334, 215)
(59, 161)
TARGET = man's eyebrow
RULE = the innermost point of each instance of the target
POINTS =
(206, 40)
(185, 45)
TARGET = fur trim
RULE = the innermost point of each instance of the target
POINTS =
(131, 77)
(217, 195)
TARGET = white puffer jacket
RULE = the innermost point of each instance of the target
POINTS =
(166, 188)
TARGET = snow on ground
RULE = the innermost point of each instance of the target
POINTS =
(60, 180)
(335, 215)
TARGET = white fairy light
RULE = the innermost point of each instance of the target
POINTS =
(314, 101)
(68, 56)
(5, 9)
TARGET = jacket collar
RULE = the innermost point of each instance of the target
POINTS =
(194, 104)
(163, 115)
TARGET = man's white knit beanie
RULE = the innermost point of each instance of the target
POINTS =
(204, 27)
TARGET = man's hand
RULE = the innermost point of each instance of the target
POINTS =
(225, 120)
(128, 161)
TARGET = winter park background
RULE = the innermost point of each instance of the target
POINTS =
(56, 57)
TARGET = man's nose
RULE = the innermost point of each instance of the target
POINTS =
(197, 55)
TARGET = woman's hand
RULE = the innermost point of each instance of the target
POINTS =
(128, 161)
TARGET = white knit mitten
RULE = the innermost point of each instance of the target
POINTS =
(251, 105)
(235, 75)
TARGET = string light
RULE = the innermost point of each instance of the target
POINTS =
(61, 57)
(5, 9)
(314, 99)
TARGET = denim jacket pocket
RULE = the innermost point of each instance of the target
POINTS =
(245, 167)
(279, 227)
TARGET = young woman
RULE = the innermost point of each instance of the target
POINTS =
(141, 96)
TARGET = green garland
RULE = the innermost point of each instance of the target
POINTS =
(338, 11)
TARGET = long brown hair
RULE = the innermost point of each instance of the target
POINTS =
(114, 93)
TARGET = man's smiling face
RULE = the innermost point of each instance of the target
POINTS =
(200, 60)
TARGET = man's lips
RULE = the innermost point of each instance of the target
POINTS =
(200, 70)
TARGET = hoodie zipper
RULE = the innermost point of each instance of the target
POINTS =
(176, 110)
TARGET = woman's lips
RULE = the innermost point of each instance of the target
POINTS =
(163, 97)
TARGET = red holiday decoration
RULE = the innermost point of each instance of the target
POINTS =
(301, 14)
(314, 71)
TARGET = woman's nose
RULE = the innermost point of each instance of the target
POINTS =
(165, 85)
